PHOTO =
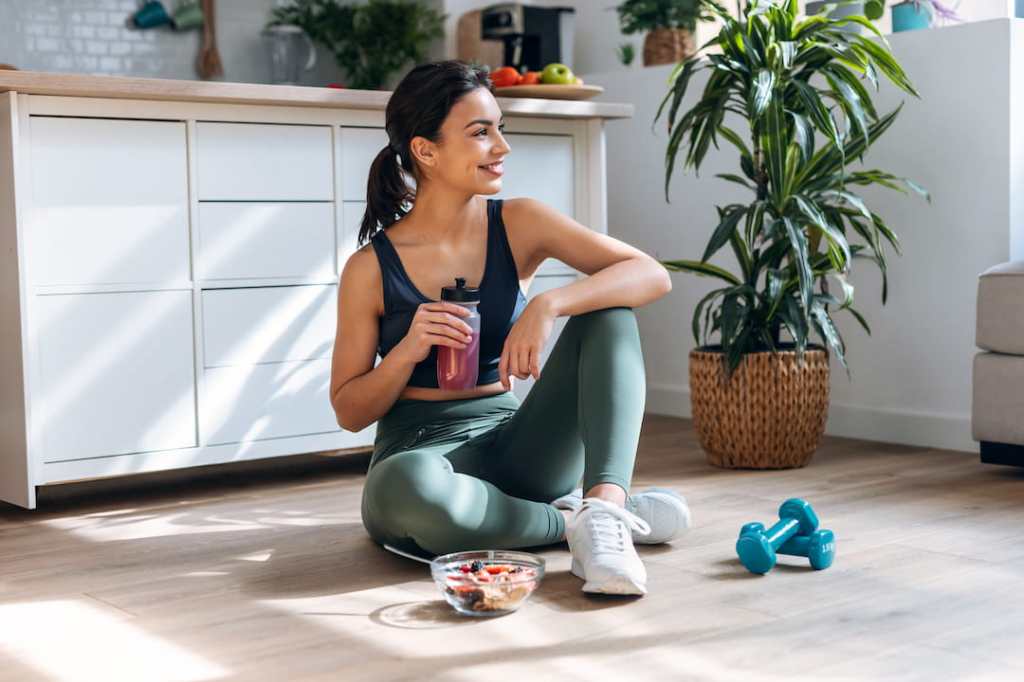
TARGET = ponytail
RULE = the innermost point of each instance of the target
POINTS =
(386, 194)
(417, 107)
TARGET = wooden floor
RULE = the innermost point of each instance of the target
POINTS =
(264, 572)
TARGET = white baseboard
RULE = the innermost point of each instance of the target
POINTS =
(906, 427)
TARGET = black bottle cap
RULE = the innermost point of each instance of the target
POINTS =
(460, 293)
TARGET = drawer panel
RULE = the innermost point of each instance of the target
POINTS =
(117, 373)
(541, 167)
(249, 240)
(264, 161)
(348, 231)
(359, 147)
(253, 402)
(109, 201)
(268, 324)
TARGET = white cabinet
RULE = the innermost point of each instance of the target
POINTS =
(359, 147)
(109, 201)
(268, 324)
(116, 373)
(541, 167)
(240, 240)
(348, 230)
(258, 161)
(274, 400)
(171, 272)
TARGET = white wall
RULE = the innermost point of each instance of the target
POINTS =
(911, 380)
(598, 33)
(90, 36)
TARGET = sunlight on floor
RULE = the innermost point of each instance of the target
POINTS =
(70, 640)
(179, 523)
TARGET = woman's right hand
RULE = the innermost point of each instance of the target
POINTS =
(435, 323)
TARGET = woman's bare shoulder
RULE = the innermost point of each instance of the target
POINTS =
(361, 276)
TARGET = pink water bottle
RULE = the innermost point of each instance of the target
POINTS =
(459, 368)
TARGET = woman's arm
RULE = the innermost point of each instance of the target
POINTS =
(620, 275)
(360, 392)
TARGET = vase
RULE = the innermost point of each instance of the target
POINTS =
(771, 413)
(907, 16)
(667, 46)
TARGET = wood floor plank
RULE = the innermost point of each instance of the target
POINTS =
(263, 571)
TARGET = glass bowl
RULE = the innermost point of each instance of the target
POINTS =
(487, 582)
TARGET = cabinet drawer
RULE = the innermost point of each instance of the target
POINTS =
(242, 240)
(116, 373)
(264, 161)
(359, 147)
(268, 324)
(348, 231)
(541, 167)
(109, 201)
(252, 402)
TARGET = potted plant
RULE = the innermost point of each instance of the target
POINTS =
(370, 41)
(911, 15)
(788, 94)
(670, 25)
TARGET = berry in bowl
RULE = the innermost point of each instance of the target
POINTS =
(489, 582)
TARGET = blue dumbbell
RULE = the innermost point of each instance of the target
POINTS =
(819, 547)
(757, 548)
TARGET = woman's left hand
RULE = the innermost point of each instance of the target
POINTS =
(520, 356)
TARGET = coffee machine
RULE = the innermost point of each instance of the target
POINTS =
(533, 36)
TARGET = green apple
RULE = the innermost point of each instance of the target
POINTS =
(557, 74)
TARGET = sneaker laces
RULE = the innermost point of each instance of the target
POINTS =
(607, 521)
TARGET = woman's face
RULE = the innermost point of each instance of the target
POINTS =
(472, 145)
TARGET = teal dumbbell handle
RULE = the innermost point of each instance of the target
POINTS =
(819, 547)
(756, 547)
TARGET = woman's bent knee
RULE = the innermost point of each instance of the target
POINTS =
(618, 318)
(409, 480)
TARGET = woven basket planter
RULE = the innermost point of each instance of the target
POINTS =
(667, 46)
(770, 415)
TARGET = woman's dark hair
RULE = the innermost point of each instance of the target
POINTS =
(417, 107)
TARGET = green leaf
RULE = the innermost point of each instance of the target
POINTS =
(828, 332)
(859, 318)
(804, 134)
(761, 94)
(798, 241)
(817, 111)
(731, 177)
(703, 269)
(773, 141)
(726, 228)
(707, 300)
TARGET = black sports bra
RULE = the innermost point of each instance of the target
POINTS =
(501, 301)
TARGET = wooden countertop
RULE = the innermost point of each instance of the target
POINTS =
(121, 87)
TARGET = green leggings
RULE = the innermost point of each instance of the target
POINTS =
(480, 473)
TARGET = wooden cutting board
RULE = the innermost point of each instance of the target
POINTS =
(550, 91)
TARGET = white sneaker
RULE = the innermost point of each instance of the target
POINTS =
(664, 510)
(600, 539)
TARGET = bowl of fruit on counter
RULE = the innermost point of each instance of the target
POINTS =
(488, 582)
(554, 81)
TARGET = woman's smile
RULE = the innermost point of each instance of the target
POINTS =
(496, 169)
